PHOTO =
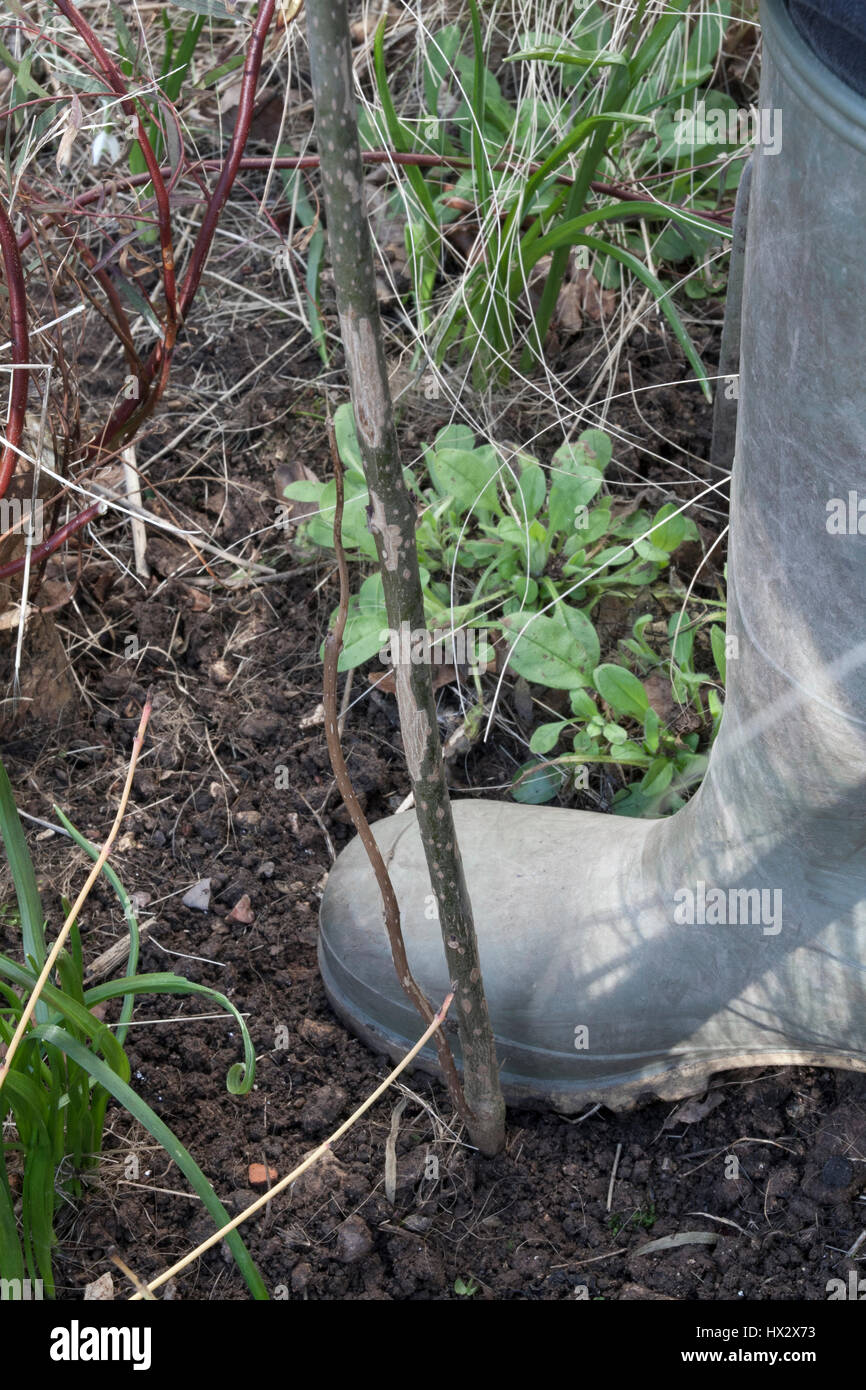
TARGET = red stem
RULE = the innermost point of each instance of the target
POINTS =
(130, 415)
(228, 174)
(47, 547)
(20, 348)
(311, 161)
(114, 77)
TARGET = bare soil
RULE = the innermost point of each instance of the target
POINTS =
(236, 788)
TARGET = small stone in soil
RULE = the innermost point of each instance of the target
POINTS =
(259, 1175)
(323, 1108)
(198, 897)
(837, 1172)
(242, 910)
(354, 1241)
(319, 1035)
(326, 1178)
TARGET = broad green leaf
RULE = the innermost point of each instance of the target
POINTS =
(570, 495)
(469, 476)
(621, 690)
(592, 449)
(347, 438)
(305, 490)
(583, 704)
(582, 630)
(546, 736)
(651, 729)
(553, 651)
(647, 551)
(657, 777)
(534, 783)
(673, 532)
(532, 487)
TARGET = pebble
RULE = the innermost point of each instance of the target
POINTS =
(323, 1109)
(198, 897)
(354, 1240)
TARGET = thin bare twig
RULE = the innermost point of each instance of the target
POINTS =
(391, 907)
(435, 1024)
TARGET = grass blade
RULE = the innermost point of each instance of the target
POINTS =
(61, 1041)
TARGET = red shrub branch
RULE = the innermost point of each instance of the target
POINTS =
(20, 348)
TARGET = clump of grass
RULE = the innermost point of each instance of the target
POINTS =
(69, 1064)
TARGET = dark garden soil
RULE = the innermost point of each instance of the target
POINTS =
(236, 788)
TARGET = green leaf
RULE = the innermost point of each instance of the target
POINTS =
(568, 234)
(546, 736)
(583, 704)
(556, 651)
(622, 690)
(469, 476)
(532, 487)
(571, 57)
(669, 536)
(651, 729)
(347, 438)
(366, 622)
(582, 631)
(647, 551)
(61, 1041)
(592, 449)
(215, 8)
(570, 494)
(241, 1075)
(717, 642)
(536, 782)
(305, 490)
(23, 879)
(657, 777)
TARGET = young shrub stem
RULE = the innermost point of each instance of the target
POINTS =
(392, 522)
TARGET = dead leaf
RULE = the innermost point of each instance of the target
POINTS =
(694, 1109)
(655, 1247)
(288, 471)
(391, 1151)
(101, 1290)
(67, 140)
(522, 699)
(596, 303)
(385, 680)
(581, 298)
(199, 601)
(659, 693)
(312, 721)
